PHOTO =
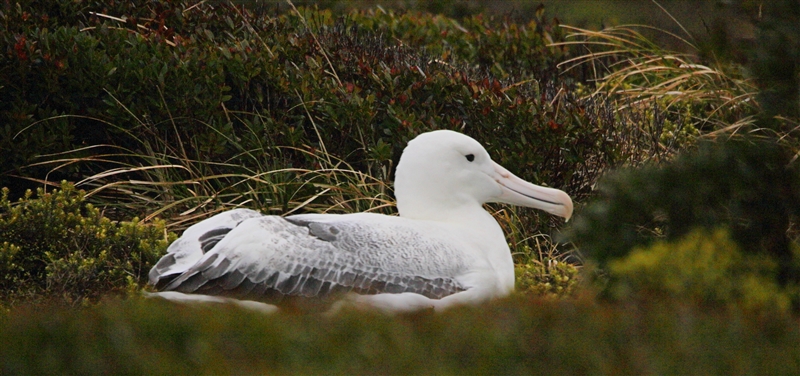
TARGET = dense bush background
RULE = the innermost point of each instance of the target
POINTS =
(203, 84)
(684, 259)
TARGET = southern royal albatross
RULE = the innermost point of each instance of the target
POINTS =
(443, 249)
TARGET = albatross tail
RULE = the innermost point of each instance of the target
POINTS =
(196, 241)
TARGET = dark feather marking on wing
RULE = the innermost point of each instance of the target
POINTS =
(287, 285)
(217, 271)
(297, 221)
(232, 280)
(191, 283)
(272, 279)
(210, 239)
(395, 288)
(319, 273)
(245, 288)
(259, 289)
(322, 231)
(347, 278)
(165, 280)
(192, 279)
(360, 281)
(307, 284)
(164, 263)
(211, 289)
(156, 277)
(324, 288)
(311, 287)
(262, 276)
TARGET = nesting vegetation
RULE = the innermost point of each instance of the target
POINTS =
(133, 120)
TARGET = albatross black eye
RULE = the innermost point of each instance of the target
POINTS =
(470, 157)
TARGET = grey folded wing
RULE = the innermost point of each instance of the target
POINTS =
(270, 258)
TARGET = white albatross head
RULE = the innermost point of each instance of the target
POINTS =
(443, 172)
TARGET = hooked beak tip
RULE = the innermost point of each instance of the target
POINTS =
(516, 191)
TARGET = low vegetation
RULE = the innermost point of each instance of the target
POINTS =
(749, 187)
(132, 120)
(520, 335)
(57, 248)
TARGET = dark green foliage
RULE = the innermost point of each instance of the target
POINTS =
(216, 83)
(776, 58)
(746, 185)
(513, 336)
(57, 247)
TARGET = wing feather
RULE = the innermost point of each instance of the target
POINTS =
(269, 258)
(196, 241)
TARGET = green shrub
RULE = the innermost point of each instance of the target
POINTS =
(775, 60)
(57, 247)
(704, 267)
(228, 92)
(748, 186)
(547, 278)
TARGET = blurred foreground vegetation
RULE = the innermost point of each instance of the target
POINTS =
(133, 120)
(520, 335)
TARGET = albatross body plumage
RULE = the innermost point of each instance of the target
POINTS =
(442, 249)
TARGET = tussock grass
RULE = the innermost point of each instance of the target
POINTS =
(633, 71)
(185, 189)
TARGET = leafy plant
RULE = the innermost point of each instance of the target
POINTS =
(704, 266)
(57, 247)
(776, 60)
(750, 186)
(220, 84)
(547, 278)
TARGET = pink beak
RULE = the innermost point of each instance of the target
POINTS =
(516, 191)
